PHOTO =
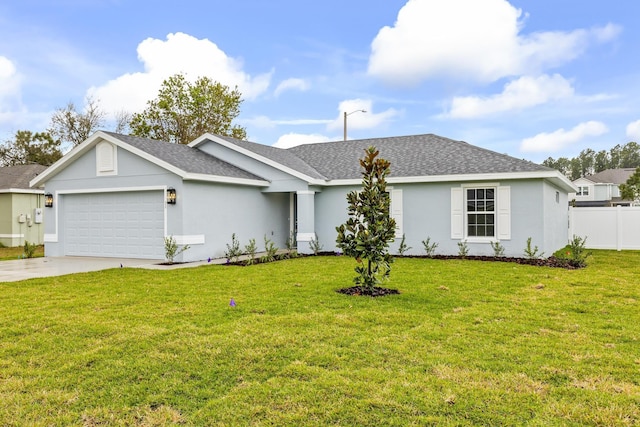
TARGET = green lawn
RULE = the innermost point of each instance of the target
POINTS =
(18, 252)
(466, 343)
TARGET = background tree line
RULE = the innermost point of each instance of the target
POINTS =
(589, 162)
(180, 113)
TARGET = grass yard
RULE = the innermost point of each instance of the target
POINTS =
(17, 252)
(466, 343)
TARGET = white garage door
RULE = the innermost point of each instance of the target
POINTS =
(122, 225)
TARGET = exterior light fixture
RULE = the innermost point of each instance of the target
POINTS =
(48, 200)
(171, 196)
(345, 120)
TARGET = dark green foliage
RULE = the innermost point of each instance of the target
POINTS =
(631, 189)
(589, 162)
(184, 111)
(575, 253)
(30, 148)
(369, 230)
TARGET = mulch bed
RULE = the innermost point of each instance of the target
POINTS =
(540, 262)
(362, 291)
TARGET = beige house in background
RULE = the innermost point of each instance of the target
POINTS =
(21, 207)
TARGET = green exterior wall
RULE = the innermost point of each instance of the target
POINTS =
(13, 232)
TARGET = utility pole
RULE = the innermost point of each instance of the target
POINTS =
(345, 120)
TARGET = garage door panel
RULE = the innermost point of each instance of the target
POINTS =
(126, 224)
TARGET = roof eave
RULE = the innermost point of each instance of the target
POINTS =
(554, 176)
(210, 137)
(225, 180)
(21, 191)
(89, 143)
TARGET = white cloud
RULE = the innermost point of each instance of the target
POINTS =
(518, 94)
(291, 84)
(9, 81)
(179, 53)
(359, 120)
(11, 108)
(555, 141)
(477, 40)
(292, 139)
(633, 131)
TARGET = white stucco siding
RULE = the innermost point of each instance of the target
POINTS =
(426, 213)
(280, 181)
(216, 211)
(556, 220)
(133, 171)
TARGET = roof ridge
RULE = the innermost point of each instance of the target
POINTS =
(256, 147)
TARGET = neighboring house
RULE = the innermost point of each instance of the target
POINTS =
(601, 189)
(20, 206)
(119, 196)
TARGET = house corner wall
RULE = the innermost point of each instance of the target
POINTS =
(556, 218)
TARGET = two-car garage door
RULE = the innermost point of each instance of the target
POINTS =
(118, 224)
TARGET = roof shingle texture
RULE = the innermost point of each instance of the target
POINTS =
(418, 155)
(185, 158)
(612, 176)
(284, 157)
(19, 176)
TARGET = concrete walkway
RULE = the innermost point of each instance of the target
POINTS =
(22, 269)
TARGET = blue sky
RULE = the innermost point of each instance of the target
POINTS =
(529, 78)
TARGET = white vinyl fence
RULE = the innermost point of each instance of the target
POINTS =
(606, 228)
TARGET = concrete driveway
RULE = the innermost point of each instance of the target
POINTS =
(22, 269)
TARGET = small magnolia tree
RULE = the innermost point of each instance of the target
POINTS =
(369, 230)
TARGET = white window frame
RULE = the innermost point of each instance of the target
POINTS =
(395, 209)
(469, 214)
(583, 190)
(502, 212)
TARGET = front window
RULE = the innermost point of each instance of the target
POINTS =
(583, 191)
(481, 205)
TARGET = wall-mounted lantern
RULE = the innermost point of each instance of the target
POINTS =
(48, 200)
(171, 196)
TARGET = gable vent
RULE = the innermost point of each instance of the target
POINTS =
(106, 158)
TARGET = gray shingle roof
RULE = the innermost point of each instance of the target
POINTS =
(410, 156)
(417, 155)
(185, 158)
(279, 155)
(19, 176)
(612, 176)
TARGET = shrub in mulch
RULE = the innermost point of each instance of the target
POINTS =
(369, 292)
(552, 261)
